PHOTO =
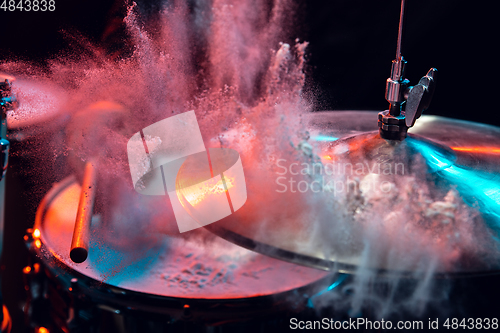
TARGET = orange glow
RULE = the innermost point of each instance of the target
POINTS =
(186, 306)
(196, 194)
(36, 233)
(484, 150)
(327, 157)
(27, 269)
(38, 244)
(42, 330)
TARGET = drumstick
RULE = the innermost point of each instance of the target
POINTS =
(79, 244)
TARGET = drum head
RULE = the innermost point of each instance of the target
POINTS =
(177, 267)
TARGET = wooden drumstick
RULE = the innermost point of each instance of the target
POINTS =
(79, 244)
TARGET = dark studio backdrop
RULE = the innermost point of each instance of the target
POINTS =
(352, 43)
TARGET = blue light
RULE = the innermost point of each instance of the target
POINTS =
(476, 187)
(341, 278)
(324, 138)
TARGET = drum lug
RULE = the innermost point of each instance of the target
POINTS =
(187, 313)
(37, 306)
(78, 320)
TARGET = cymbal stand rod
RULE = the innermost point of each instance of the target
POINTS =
(400, 33)
(396, 84)
(8, 102)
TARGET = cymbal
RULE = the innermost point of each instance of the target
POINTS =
(41, 105)
(428, 203)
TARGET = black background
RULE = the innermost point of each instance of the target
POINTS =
(352, 43)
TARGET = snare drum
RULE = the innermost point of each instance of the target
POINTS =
(181, 282)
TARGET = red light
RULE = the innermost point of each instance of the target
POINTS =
(483, 150)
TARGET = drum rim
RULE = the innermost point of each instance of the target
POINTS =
(125, 297)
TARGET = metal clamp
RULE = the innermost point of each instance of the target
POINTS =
(406, 104)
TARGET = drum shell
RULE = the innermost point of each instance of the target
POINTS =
(99, 306)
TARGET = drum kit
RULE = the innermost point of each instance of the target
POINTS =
(438, 220)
